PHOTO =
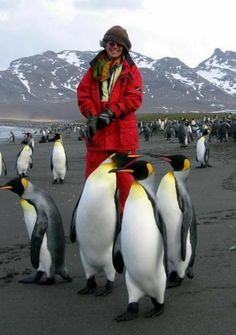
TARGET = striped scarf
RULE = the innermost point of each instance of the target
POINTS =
(104, 68)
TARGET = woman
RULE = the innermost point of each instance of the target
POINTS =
(108, 96)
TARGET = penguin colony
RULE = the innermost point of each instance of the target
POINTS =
(157, 230)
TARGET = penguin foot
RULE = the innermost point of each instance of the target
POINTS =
(54, 181)
(48, 281)
(61, 181)
(65, 275)
(157, 310)
(69, 279)
(173, 280)
(130, 314)
(32, 279)
(175, 283)
(105, 290)
(87, 290)
(90, 288)
(154, 312)
(189, 273)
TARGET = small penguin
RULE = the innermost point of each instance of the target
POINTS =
(59, 162)
(45, 228)
(183, 134)
(203, 149)
(176, 211)
(24, 160)
(96, 223)
(3, 166)
(143, 243)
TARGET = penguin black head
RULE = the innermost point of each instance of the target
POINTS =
(16, 185)
(57, 136)
(178, 162)
(139, 170)
(205, 132)
(122, 159)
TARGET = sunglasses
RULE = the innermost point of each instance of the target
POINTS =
(114, 44)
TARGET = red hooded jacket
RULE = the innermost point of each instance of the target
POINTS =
(121, 135)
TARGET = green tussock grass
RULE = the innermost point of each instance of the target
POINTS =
(175, 116)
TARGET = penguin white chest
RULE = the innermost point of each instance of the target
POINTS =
(201, 149)
(141, 241)
(30, 216)
(96, 218)
(58, 156)
(168, 207)
(23, 160)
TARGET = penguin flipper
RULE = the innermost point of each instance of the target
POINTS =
(67, 166)
(73, 220)
(4, 166)
(185, 206)
(186, 225)
(193, 239)
(39, 230)
(117, 257)
(51, 164)
(161, 226)
(164, 236)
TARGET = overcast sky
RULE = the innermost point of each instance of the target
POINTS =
(187, 29)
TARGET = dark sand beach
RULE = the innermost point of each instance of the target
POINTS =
(205, 305)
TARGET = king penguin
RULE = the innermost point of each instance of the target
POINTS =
(176, 211)
(142, 243)
(96, 222)
(45, 229)
(203, 149)
(24, 160)
(59, 162)
(3, 167)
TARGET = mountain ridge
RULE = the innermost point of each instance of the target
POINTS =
(44, 85)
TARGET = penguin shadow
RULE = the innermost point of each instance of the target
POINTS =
(203, 166)
(9, 260)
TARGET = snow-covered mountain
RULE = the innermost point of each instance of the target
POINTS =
(44, 85)
(220, 70)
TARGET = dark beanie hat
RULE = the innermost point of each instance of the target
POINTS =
(119, 35)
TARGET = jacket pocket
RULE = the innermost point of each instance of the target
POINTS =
(128, 133)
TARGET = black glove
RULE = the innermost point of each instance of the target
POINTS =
(105, 118)
(91, 128)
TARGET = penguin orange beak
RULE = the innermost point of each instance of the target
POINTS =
(134, 155)
(6, 187)
(121, 170)
(163, 158)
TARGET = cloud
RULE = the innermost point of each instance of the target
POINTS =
(108, 4)
(187, 29)
(3, 16)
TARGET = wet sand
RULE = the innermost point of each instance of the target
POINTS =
(204, 305)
